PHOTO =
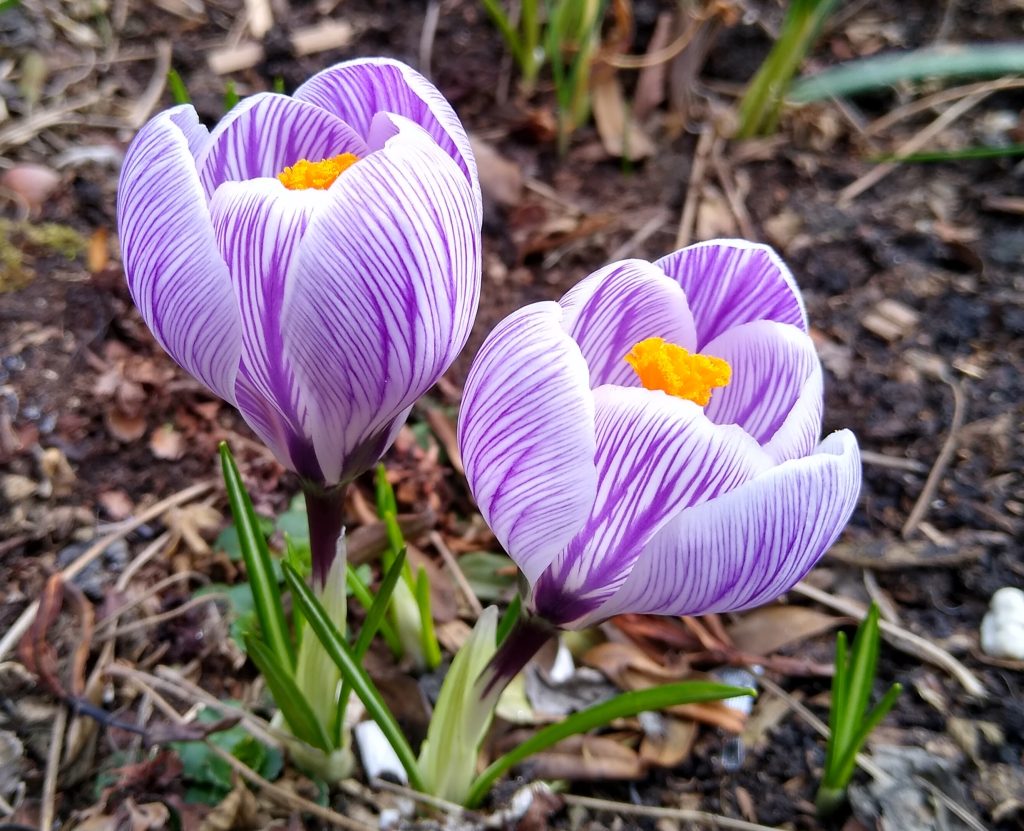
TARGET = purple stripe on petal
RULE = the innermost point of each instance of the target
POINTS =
(267, 132)
(185, 118)
(387, 281)
(656, 455)
(748, 546)
(358, 90)
(771, 363)
(729, 282)
(620, 305)
(259, 226)
(526, 433)
(801, 430)
(175, 273)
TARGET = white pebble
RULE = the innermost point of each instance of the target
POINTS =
(1002, 628)
(379, 758)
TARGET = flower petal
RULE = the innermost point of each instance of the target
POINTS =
(656, 455)
(620, 305)
(175, 273)
(748, 546)
(771, 364)
(526, 433)
(801, 430)
(387, 282)
(185, 117)
(729, 282)
(357, 90)
(259, 224)
(267, 132)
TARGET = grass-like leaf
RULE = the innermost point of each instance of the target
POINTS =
(374, 621)
(428, 638)
(622, 706)
(179, 92)
(989, 60)
(265, 592)
(362, 593)
(289, 698)
(963, 154)
(509, 619)
(352, 671)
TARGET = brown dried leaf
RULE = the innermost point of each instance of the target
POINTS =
(32, 182)
(126, 429)
(669, 746)
(767, 630)
(501, 179)
(586, 758)
(116, 503)
(620, 135)
(616, 660)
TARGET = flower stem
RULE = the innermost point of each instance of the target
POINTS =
(519, 646)
(326, 521)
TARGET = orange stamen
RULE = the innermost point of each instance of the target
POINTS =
(664, 366)
(320, 175)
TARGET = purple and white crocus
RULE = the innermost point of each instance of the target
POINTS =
(613, 497)
(314, 260)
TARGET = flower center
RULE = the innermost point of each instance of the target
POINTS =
(664, 366)
(305, 174)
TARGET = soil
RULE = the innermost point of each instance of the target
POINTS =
(914, 289)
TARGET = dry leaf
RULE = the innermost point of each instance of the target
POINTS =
(501, 179)
(98, 253)
(616, 660)
(116, 503)
(767, 630)
(669, 744)
(583, 758)
(124, 428)
(620, 135)
(32, 182)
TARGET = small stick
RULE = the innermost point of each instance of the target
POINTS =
(942, 97)
(24, 620)
(945, 456)
(276, 792)
(870, 457)
(49, 796)
(460, 579)
(732, 194)
(880, 171)
(693, 187)
(680, 814)
(452, 808)
(153, 620)
(902, 639)
(427, 35)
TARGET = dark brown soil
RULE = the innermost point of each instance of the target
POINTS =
(81, 374)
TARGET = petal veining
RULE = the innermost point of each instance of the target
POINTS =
(175, 272)
(750, 545)
(656, 455)
(388, 285)
(267, 132)
(771, 364)
(729, 282)
(620, 305)
(526, 433)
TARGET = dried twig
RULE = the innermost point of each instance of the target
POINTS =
(13, 635)
(427, 35)
(460, 579)
(944, 96)
(732, 194)
(694, 186)
(880, 171)
(680, 814)
(281, 795)
(47, 809)
(945, 456)
(902, 639)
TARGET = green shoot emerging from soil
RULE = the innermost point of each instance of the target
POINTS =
(850, 722)
(759, 110)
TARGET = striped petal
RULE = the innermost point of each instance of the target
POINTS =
(748, 546)
(358, 90)
(259, 225)
(801, 430)
(729, 282)
(387, 281)
(175, 273)
(619, 305)
(267, 132)
(526, 433)
(771, 364)
(656, 455)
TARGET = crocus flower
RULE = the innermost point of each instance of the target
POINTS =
(313, 260)
(650, 443)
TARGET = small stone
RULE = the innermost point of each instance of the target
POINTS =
(1002, 628)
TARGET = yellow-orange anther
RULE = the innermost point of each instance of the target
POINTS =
(320, 175)
(664, 366)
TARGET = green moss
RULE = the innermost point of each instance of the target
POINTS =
(22, 242)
